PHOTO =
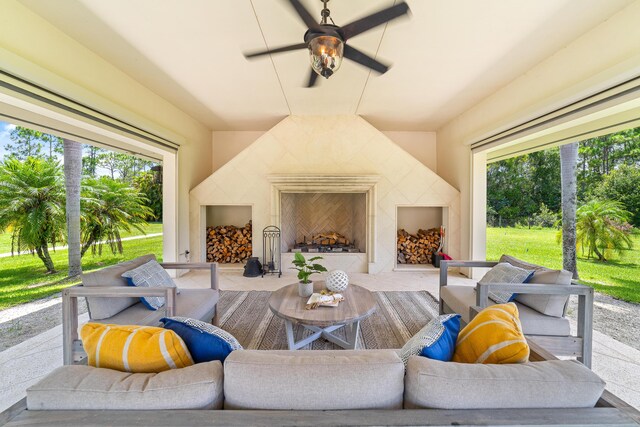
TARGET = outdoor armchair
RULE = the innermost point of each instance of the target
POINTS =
(552, 333)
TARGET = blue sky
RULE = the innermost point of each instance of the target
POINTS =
(5, 130)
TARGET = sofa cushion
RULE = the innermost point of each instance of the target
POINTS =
(77, 387)
(436, 340)
(521, 264)
(150, 275)
(195, 303)
(505, 273)
(313, 380)
(551, 305)
(549, 384)
(134, 348)
(460, 297)
(493, 336)
(103, 308)
(205, 341)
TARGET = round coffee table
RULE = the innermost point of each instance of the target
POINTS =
(322, 321)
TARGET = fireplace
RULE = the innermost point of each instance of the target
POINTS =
(323, 222)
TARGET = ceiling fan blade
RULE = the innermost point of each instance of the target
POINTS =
(363, 59)
(277, 50)
(305, 15)
(312, 78)
(368, 22)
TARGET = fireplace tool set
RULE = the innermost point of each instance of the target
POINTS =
(271, 251)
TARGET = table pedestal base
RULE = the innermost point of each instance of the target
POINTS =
(351, 330)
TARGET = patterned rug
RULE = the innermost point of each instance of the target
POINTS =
(398, 316)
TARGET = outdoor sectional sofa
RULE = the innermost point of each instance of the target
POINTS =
(314, 388)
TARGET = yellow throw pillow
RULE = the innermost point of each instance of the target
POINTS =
(134, 348)
(493, 336)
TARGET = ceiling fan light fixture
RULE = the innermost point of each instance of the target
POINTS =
(326, 54)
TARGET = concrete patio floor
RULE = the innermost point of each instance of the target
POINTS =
(27, 362)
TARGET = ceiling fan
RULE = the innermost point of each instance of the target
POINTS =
(327, 43)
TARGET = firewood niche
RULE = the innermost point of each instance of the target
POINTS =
(417, 248)
(229, 244)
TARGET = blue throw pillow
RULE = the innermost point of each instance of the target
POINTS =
(150, 275)
(442, 339)
(437, 340)
(204, 341)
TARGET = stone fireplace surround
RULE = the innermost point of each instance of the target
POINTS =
(341, 154)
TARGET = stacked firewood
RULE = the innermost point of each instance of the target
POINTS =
(418, 248)
(329, 239)
(228, 244)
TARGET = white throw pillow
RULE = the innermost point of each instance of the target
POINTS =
(505, 273)
(150, 275)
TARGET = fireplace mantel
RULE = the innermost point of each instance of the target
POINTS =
(322, 183)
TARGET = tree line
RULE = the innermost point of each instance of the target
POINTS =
(526, 191)
(33, 194)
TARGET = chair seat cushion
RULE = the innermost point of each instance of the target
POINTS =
(549, 384)
(78, 387)
(194, 303)
(460, 297)
(313, 380)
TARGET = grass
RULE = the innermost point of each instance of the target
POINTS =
(619, 277)
(151, 228)
(23, 279)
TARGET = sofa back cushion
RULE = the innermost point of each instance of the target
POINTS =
(103, 308)
(313, 380)
(78, 387)
(549, 384)
(551, 305)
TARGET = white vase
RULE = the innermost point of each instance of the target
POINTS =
(305, 289)
(337, 281)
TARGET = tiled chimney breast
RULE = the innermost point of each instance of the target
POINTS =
(327, 145)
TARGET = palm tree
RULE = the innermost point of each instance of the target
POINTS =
(603, 227)
(109, 208)
(72, 175)
(568, 167)
(32, 200)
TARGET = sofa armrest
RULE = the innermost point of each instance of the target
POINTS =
(444, 266)
(212, 266)
(70, 295)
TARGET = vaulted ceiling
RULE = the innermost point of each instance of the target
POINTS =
(446, 57)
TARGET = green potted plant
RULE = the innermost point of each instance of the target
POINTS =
(305, 269)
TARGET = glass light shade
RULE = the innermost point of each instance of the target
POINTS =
(326, 55)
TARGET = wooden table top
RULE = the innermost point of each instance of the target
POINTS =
(358, 303)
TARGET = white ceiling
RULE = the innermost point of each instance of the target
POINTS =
(446, 57)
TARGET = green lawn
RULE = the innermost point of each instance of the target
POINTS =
(619, 277)
(22, 277)
(151, 228)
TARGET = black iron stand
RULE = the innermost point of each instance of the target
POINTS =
(271, 260)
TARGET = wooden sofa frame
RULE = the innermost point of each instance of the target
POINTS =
(609, 410)
(72, 350)
(579, 346)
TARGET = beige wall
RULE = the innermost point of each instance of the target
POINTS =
(421, 145)
(606, 55)
(38, 51)
(338, 146)
(227, 144)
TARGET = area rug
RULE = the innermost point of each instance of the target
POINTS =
(398, 316)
